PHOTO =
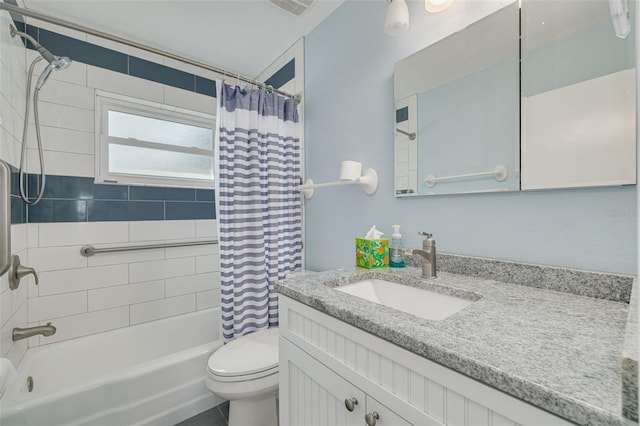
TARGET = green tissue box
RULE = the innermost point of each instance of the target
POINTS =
(372, 253)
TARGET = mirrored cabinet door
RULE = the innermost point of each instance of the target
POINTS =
(578, 95)
(457, 111)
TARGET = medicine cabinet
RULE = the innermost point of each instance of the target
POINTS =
(504, 106)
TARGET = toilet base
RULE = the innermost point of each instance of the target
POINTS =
(260, 411)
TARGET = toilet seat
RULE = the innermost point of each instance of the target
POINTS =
(249, 357)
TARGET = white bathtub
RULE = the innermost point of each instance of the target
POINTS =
(148, 374)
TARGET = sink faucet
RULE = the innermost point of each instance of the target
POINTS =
(428, 255)
(23, 333)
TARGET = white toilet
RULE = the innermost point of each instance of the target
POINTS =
(245, 371)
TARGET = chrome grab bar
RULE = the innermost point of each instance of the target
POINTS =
(89, 250)
(5, 217)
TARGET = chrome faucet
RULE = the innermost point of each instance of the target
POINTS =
(428, 255)
(24, 333)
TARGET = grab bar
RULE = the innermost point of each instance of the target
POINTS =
(89, 250)
(5, 217)
(499, 173)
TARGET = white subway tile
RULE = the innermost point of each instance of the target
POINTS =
(163, 308)
(33, 234)
(18, 238)
(90, 323)
(124, 295)
(116, 82)
(207, 263)
(192, 284)
(5, 306)
(189, 100)
(65, 140)
(69, 94)
(20, 295)
(61, 163)
(208, 299)
(160, 269)
(125, 256)
(69, 280)
(206, 228)
(56, 258)
(18, 319)
(48, 307)
(4, 283)
(65, 234)
(65, 116)
(17, 352)
(203, 250)
(161, 230)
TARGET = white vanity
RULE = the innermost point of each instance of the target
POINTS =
(345, 360)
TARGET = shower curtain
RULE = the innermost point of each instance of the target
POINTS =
(259, 206)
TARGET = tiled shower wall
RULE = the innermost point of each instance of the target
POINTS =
(13, 304)
(80, 295)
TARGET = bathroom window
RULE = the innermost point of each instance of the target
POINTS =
(141, 142)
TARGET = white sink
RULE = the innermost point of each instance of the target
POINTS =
(416, 301)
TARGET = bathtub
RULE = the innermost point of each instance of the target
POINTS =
(147, 374)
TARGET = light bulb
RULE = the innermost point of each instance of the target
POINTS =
(436, 5)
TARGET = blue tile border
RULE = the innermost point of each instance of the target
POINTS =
(283, 75)
(402, 114)
(79, 199)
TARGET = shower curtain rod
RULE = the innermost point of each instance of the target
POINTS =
(67, 24)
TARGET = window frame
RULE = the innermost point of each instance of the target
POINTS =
(105, 101)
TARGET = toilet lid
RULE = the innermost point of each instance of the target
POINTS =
(253, 353)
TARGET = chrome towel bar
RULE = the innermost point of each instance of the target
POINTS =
(88, 250)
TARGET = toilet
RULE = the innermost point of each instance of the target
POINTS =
(245, 372)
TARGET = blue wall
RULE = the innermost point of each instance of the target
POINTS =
(349, 109)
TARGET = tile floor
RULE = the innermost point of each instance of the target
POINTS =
(216, 416)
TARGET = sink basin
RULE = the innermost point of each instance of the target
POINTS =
(416, 301)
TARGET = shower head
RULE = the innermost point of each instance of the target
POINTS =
(55, 62)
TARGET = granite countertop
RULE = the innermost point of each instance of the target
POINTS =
(557, 350)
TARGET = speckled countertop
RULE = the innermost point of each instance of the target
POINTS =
(556, 350)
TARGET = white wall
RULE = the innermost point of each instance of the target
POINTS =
(350, 108)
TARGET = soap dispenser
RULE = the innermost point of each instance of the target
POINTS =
(396, 259)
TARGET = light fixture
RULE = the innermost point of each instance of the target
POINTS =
(434, 6)
(396, 20)
(620, 17)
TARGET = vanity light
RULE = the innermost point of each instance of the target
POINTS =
(396, 20)
(434, 6)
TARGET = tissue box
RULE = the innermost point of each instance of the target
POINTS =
(372, 253)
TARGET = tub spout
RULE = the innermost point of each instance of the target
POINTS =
(23, 333)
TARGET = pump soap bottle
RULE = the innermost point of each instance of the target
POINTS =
(396, 256)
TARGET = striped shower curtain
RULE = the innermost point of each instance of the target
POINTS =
(259, 206)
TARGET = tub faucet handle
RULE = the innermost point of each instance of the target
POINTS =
(18, 272)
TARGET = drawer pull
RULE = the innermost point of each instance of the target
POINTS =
(371, 418)
(350, 403)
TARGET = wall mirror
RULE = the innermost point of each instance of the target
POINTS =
(458, 111)
(459, 128)
(578, 95)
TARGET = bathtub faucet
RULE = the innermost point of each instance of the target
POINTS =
(23, 333)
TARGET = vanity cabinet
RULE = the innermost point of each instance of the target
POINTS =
(324, 361)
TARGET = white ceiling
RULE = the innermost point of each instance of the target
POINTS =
(242, 36)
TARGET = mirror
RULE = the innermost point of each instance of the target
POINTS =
(459, 128)
(458, 111)
(578, 96)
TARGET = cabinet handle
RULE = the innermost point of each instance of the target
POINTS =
(371, 418)
(350, 403)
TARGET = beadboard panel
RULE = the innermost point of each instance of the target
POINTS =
(416, 384)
